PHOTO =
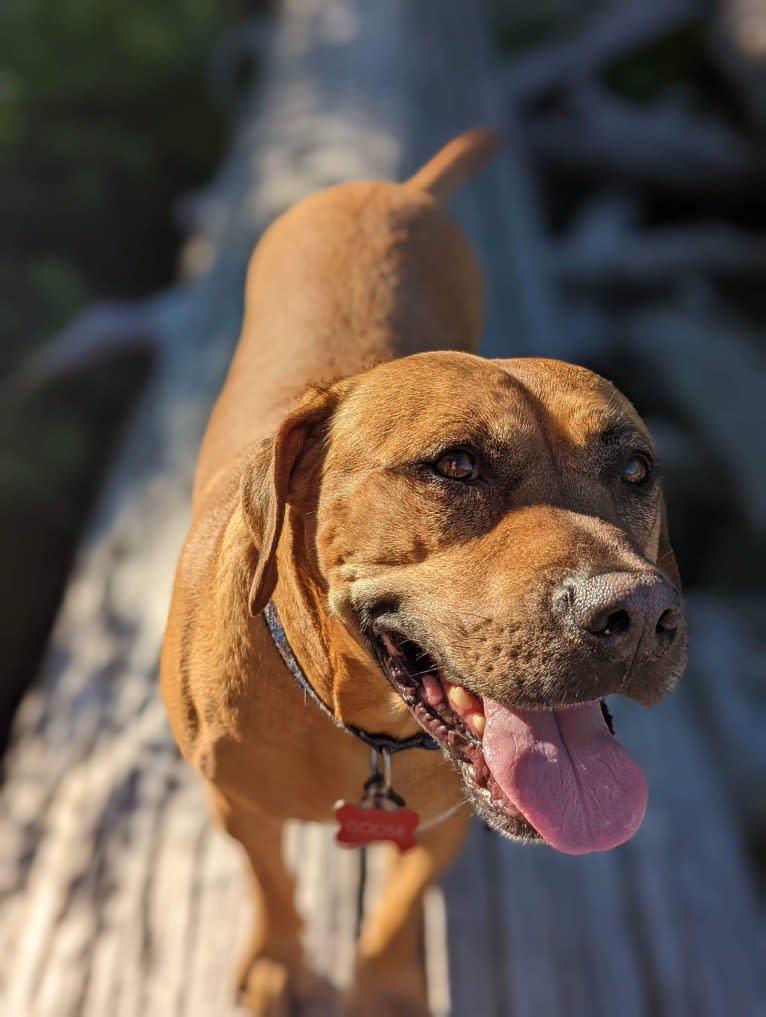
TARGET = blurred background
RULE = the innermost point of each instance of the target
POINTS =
(636, 192)
(108, 116)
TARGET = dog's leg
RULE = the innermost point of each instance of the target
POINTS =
(272, 974)
(390, 975)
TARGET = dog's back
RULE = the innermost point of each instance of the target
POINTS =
(351, 276)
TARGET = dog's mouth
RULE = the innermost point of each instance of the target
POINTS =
(556, 775)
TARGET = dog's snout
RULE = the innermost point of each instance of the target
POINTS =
(623, 611)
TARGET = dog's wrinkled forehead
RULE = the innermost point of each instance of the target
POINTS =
(572, 399)
(425, 402)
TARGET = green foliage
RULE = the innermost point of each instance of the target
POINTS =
(104, 118)
(677, 60)
(519, 25)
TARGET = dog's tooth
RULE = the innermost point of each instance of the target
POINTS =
(478, 722)
(432, 690)
(460, 697)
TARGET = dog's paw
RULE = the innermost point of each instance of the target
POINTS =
(269, 987)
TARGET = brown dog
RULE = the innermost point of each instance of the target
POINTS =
(475, 548)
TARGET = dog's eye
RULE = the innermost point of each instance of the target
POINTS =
(458, 464)
(636, 469)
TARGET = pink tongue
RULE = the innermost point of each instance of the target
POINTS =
(566, 774)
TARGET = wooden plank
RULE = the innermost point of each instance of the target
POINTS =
(728, 652)
(219, 926)
(437, 958)
(693, 889)
(568, 938)
(476, 955)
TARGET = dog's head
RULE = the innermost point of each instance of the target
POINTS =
(493, 535)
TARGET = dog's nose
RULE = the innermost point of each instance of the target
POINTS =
(624, 612)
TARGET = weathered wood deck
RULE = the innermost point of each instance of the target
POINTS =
(118, 897)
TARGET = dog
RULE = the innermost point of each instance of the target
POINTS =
(437, 550)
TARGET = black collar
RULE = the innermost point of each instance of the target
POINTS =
(379, 742)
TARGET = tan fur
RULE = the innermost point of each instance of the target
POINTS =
(307, 496)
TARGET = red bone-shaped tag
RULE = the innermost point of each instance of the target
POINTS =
(358, 825)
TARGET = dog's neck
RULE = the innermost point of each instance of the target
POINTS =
(340, 671)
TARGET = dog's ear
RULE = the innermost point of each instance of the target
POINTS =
(265, 486)
(666, 559)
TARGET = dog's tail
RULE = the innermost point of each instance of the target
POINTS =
(456, 162)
